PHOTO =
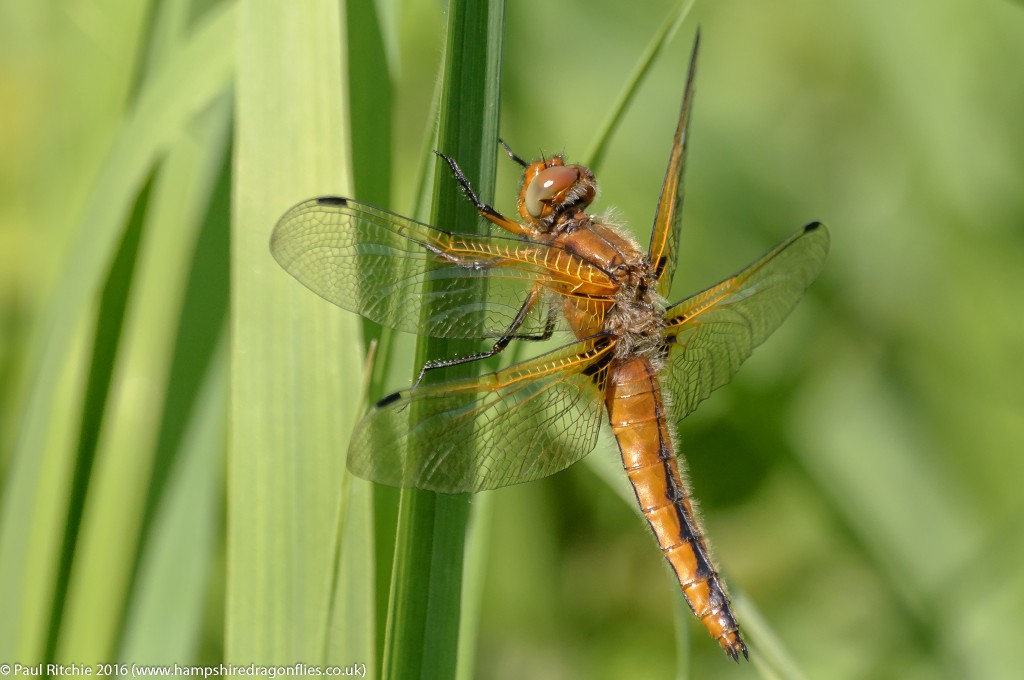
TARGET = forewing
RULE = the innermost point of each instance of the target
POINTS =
(711, 333)
(664, 250)
(520, 424)
(375, 263)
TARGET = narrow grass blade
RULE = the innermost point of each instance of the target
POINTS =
(477, 547)
(369, 85)
(183, 336)
(187, 82)
(172, 327)
(370, 107)
(768, 654)
(106, 343)
(595, 155)
(351, 633)
(163, 623)
(423, 625)
(683, 618)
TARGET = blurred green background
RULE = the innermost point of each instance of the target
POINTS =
(860, 479)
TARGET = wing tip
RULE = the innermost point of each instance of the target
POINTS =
(820, 231)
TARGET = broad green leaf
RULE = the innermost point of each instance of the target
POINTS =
(294, 358)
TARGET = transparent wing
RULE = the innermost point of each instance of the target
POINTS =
(375, 263)
(711, 333)
(664, 250)
(520, 424)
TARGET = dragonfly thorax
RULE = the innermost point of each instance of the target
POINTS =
(634, 313)
(637, 318)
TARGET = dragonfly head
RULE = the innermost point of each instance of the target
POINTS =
(551, 188)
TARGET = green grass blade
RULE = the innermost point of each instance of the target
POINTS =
(198, 177)
(172, 327)
(595, 154)
(187, 83)
(768, 654)
(682, 617)
(477, 547)
(351, 635)
(176, 571)
(370, 106)
(369, 85)
(106, 342)
(354, 600)
(423, 625)
(294, 357)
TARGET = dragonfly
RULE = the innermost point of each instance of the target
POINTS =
(631, 360)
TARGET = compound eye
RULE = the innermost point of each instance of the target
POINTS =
(546, 185)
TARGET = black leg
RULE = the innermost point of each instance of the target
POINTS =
(512, 155)
(481, 207)
(502, 342)
(486, 211)
(549, 329)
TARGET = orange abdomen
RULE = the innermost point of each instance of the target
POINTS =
(637, 415)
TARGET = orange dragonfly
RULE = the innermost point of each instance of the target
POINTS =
(559, 269)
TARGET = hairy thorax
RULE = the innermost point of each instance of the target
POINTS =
(635, 316)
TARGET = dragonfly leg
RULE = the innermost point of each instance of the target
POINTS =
(549, 329)
(512, 154)
(486, 211)
(502, 343)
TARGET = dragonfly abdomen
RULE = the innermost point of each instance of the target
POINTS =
(637, 416)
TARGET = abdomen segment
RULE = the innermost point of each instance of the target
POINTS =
(638, 419)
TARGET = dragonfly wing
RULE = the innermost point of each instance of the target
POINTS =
(375, 263)
(711, 333)
(664, 250)
(519, 424)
